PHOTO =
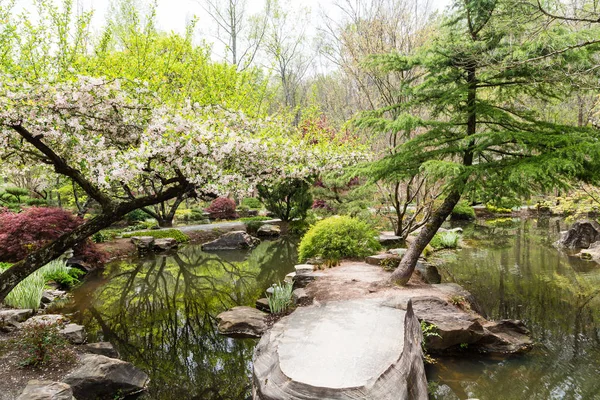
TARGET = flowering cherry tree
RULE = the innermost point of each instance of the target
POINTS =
(112, 137)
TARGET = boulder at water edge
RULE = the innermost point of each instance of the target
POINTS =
(268, 230)
(100, 378)
(352, 349)
(102, 348)
(236, 240)
(242, 322)
(581, 235)
(46, 390)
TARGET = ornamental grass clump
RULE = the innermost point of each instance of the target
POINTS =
(445, 240)
(335, 238)
(28, 293)
(281, 298)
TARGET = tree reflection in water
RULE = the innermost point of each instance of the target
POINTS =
(160, 312)
(524, 277)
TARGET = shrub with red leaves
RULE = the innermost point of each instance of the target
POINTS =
(222, 208)
(27, 231)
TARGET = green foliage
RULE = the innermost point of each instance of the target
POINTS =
(148, 224)
(497, 210)
(103, 236)
(389, 264)
(28, 293)
(299, 227)
(445, 240)
(136, 216)
(428, 330)
(43, 345)
(176, 234)
(463, 211)
(288, 200)
(253, 223)
(281, 299)
(64, 276)
(335, 238)
(252, 203)
(474, 75)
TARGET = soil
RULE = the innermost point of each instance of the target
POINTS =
(14, 377)
(358, 280)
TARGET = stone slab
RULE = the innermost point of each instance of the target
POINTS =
(341, 344)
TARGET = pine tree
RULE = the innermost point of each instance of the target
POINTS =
(491, 59)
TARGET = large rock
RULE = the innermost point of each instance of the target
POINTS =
(102, 348)
(45, 319)
(453, 326)
(143, 243)
(74, 333)
(353, 349)
(101, 377)
(581, 235)
(165, 244)
(385, 259)
(232, 241)
(390, 240)
(458, 329)
(48, 296)
(506, 336)
(46, 390)
(14, 317)
(268, 230)
(242, 322)
(592, 253)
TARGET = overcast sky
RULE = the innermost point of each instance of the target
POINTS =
(173, 15)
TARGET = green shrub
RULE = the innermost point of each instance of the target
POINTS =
(299, 227)
(336, 237)
(150, 224)
(252, 203)
(64, 276)
(497, 210)
(281, 298)
(253, 223)
(255, 218)
(101, 237)
(43, 344)
(288, 200)
(463, 211)
(136, 216)
(445, 240)
(161, 234)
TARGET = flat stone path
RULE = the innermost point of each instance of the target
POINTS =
(341, 344)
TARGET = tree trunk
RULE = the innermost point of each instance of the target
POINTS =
(409, 261)
(166, 222)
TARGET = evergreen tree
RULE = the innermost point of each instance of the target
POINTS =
(476, 78)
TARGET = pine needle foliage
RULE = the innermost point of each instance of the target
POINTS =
(477, 79)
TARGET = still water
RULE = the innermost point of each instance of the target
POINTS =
(161, 315)
(513, 270)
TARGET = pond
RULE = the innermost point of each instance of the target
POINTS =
(160, 313)
(514, 272)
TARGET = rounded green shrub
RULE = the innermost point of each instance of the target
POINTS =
(252, 203)
(335, 238)
(463, 211)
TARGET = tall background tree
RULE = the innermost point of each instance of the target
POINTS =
(489, 62)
